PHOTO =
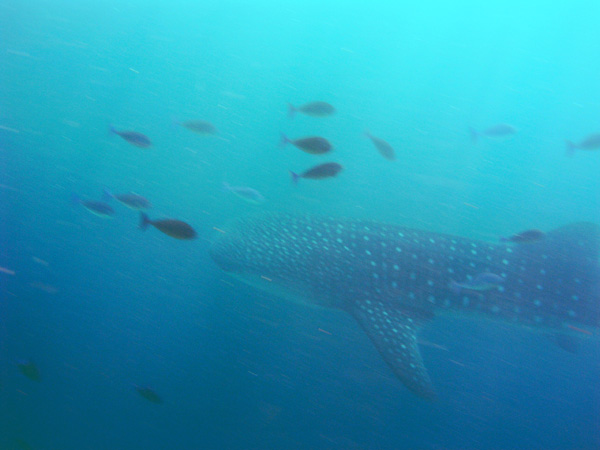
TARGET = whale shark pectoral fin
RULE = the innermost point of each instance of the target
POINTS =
(394, 333)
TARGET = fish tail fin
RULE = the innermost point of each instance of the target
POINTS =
(295, 177)
(107, 195)
(144, 221)
(291, 111)
(503, 239)
(225, 187)
(75, 199)
(110, 130)
(367, 133)
(284, 140)
(474, 135)
(455, 287)
(570, 148)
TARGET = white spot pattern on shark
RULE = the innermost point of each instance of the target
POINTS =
(393, 279)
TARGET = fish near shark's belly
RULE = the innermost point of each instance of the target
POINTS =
(403, 273)
(416, 273)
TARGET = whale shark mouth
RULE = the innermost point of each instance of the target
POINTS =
(393, 280)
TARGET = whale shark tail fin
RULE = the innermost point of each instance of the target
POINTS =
(394, 333)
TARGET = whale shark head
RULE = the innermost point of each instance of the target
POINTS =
(393, 279)
(276, 253)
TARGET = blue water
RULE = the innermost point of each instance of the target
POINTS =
(100, 306)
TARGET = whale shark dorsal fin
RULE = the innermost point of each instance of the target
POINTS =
(394, 333)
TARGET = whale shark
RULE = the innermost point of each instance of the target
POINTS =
(394, 280)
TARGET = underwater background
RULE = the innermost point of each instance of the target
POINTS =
(101, 307)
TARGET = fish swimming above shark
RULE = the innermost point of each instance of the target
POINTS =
(394, 280)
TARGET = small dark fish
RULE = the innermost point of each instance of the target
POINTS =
(315, 109)
(482, 282)
(29, 369)
(98, 208)
(133, 137)
(245, 193)
(314, 145)
(149, 394)
(199, 126)
(319, 172)
(385, 149)
(592, 142)
(130, 199)
(497, 131)
(524, 237)
(171, 227)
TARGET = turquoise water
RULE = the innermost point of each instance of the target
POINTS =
(100, 306)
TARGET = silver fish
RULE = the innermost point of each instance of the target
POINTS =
(315, 109)
(500, 130)
(245, 193)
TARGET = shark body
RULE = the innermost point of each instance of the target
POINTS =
(393, 279)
